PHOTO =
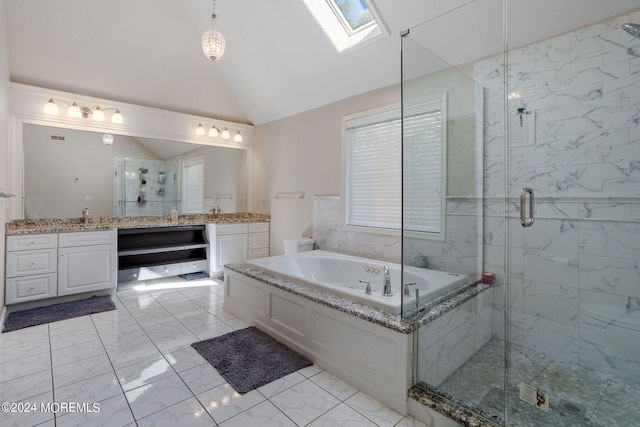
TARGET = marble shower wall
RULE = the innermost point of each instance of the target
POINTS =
(574, 276)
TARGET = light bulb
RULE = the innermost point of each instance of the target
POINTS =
(107, 138)
(50, 107)
(237, 137)
(213, 131)
(98, 114)
(117, 117)
(74, 111)
(200, 130)
(226, 134)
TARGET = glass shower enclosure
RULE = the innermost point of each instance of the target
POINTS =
(538, 155)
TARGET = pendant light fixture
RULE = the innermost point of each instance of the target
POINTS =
(213, 40)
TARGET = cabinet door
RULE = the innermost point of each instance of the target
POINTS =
(86, 268)
(230, 249)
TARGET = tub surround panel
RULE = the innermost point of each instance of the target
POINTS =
(366, 352)
(54, 225)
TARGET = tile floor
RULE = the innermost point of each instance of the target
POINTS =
(137, 363)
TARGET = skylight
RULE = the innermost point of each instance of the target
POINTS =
(347, 23)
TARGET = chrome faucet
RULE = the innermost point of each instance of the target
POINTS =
(85, 215)
(407, 293)
(367, 291)
(386, 290)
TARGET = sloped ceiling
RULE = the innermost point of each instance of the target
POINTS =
(278, 62)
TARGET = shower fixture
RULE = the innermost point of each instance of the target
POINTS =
(633, 29)
(142, 171)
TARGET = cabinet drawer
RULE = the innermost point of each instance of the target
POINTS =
(258, 253)
(258, 227)
(258, 240)
(24, 263)
(223, 229)
(87, 238)
(30, 288)
(32, 241)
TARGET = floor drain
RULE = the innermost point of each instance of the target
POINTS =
(571, 407)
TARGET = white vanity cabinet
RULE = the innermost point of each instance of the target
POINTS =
(87, 261)
(258, 240)
(40, 266)
(236, 242)
(31, 267)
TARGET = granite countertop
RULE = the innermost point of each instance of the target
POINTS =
(55, 225)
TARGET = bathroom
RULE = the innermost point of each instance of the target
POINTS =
(571, 273)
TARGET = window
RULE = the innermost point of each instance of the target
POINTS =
(193, 179)
(347, 23)
(373, 167)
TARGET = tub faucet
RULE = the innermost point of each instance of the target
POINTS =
(406, 288)
(386, 290)
(85, 215)
(367, 291)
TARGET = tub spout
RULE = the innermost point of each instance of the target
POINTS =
(386, 290)
(368, 289)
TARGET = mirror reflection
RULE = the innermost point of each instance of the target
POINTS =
(65, 170)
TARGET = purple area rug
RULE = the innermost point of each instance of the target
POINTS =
(248, 358)
(53, 313)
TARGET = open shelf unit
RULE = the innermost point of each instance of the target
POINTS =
(145, 253)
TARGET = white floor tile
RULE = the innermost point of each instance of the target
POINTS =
(175, 342)
(304, 402)
(212, 331)
(202, 378)
(96, 389)
(373, 410)
(184, 359)
(334, 385)
(142, 373)
(264, 414)
(188, 413)
(21, 336)
(114, 412)
(343, 416)
(77, 352)
(24, 387)
(156, 396)
(281, 384)
(223, 402)
(126, 356)
(31, 417)
(82, 370)
(30, 364)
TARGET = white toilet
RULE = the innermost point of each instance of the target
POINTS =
(297, 245)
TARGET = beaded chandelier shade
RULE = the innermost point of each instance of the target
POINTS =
(213, 40)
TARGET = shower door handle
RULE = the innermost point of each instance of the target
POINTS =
(524, 220)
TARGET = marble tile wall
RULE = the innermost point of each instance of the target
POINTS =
(574, 277)
(160, 193)
(457, 254)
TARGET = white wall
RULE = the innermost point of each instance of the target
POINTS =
(303, 153)
(4, 126)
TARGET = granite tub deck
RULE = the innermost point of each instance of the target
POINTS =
(55, 225)
(268, 290)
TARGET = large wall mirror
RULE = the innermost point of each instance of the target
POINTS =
(65, 170)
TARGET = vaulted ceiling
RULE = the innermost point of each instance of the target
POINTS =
(278, 62)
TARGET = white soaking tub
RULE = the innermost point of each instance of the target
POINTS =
(340, 274)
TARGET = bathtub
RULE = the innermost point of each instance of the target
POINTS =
(340, 274)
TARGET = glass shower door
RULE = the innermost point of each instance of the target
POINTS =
(573, 225)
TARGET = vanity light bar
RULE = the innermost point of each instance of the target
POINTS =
(76, 111)
(214, 132)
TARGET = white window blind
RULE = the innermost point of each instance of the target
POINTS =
(193, 172)
(373, 168)
(423, 165)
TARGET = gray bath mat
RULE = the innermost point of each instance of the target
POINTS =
(194, 276)
(53, 313)
(248, 358)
